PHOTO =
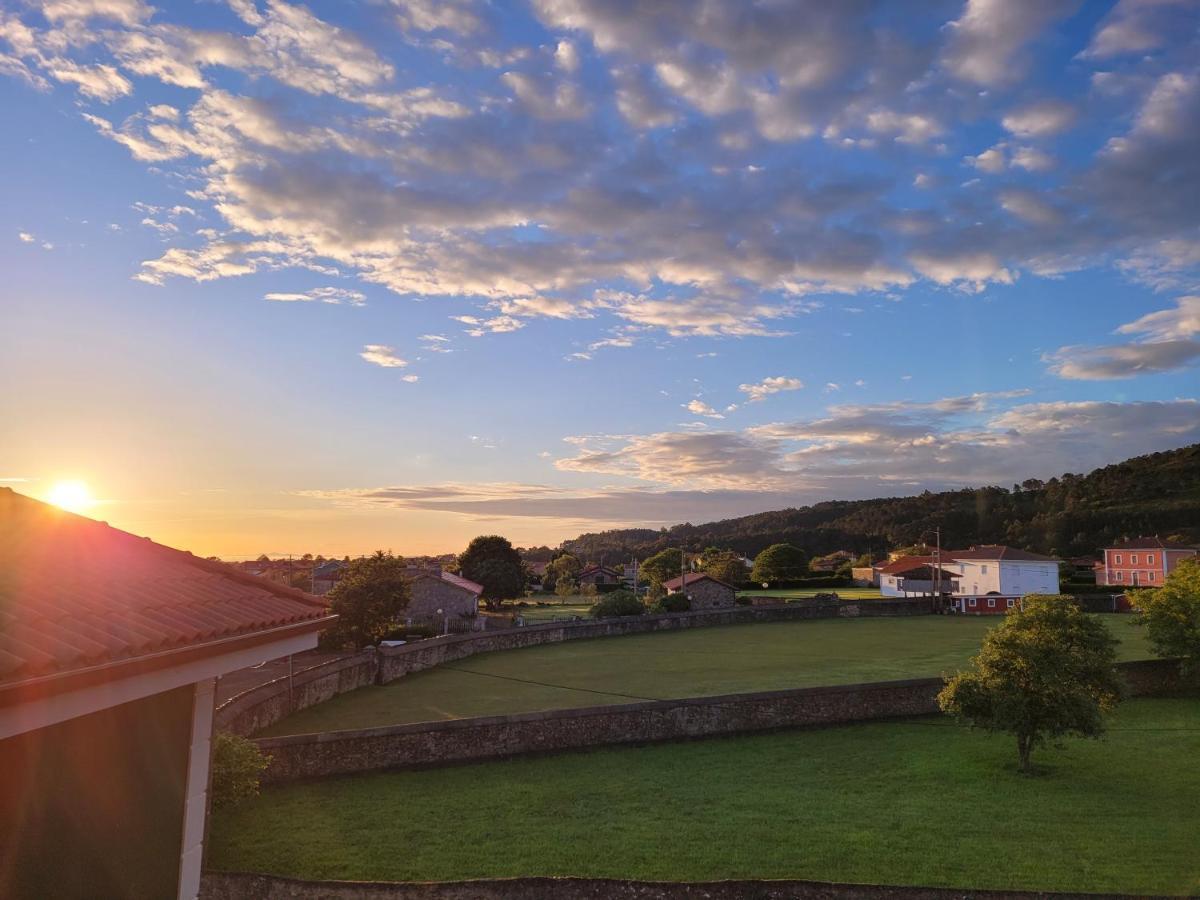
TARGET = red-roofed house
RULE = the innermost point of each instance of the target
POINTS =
(1144, 562)
(598, 575)
(110, 647)
(987, 579)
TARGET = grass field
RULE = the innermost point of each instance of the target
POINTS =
(922, 803)
(569, 608)
(845, 593)
(693, 663)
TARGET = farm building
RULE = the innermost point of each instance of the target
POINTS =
(703, 591)
(109, 654)
(598, 575)
(991, 570)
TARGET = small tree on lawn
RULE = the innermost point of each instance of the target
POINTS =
(726, 566)
(1171, 615)
(779, 562)
(237, 765)
(566, 586)
(493, 562)
(1046, 672)
(370, 597)
(565, 566)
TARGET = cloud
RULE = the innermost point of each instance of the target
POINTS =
(1138, 26)
(756, 393)
(382, 355)
(1032, 160)
(985, 42)
(881, 449)
(1042, 119)
(25, 237)
(331, 295)
(1168, 343)
(990, 160)
(700, 408)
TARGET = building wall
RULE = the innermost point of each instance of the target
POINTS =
(94, 806)
(1144, 568)
(707, 594)
(430, 594)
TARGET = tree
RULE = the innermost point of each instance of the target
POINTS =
(566, 586)
(493, 562)
(726, 566)
(617, 603)
(1046, 672)
(565, 565)
(237, 766)
(1171, 615)
(663, 566)
(371, 595)
(779, 562)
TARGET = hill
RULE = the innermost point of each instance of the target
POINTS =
(1070, 515)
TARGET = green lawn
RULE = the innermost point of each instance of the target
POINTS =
(569, 608)
(694, 663)
(920, 803)
(845, 593)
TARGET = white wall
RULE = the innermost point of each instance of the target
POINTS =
(1011, 578)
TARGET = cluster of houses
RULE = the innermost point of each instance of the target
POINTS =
(992, 579)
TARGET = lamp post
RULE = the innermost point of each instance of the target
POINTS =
(445, 622)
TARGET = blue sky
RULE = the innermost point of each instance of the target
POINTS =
(338, 276)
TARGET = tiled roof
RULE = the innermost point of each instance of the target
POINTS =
(907, 564)
(75, 593)
(457, 580)
(989, 552)
(677, 582)
(1150, 543)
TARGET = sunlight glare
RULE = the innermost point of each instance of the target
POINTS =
(73, 496)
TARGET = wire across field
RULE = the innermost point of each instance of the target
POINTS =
(693, 663)
(919, 803)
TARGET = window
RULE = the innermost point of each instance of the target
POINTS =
(1117, 559)
(1150, 575)
(1133, 559)
(983, 569)
(1149, 559)
(973, 601)
(991, 604)
(1120, 577)
(1010, 603)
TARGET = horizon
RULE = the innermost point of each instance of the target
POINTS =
(286, 277)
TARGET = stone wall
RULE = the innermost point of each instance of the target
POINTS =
(430, 593)
(267, 704)
(231, 886)
(460, 740)
(259, 707)
(708, 594)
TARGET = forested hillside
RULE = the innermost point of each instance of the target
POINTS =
(1073, 514)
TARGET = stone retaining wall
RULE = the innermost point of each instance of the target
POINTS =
(460, 740)
(265, 705)
(230, 886)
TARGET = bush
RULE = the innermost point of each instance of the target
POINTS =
(237, 765)
(618, 603)
(675, 603)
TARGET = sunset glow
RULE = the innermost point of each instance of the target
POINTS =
(73, 496)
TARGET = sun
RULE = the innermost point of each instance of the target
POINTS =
(73, 496)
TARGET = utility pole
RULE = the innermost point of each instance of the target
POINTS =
(937, 563)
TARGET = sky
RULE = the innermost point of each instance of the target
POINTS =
(334, 277)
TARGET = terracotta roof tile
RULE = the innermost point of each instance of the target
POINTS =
(76, 593)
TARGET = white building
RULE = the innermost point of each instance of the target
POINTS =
(1004, 571)
(991, 570)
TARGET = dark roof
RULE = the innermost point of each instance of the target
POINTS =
(1149, 543)
(676, 583)
(588, 570)
(75, 593)
(926, 573)
(989, 552)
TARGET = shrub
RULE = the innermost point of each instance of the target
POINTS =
(618, 603)
(237, 765)
(675, 603)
